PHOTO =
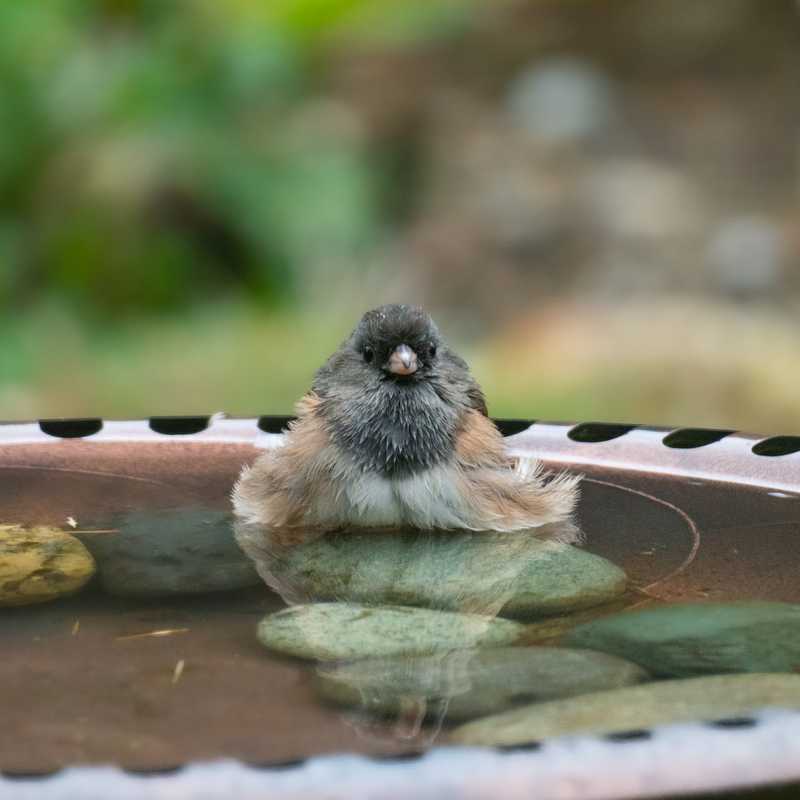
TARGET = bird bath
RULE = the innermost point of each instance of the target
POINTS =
(155, 665)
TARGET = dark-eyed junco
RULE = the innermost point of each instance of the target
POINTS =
(394, 433)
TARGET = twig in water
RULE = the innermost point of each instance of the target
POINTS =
(176, 675)
(165, 632)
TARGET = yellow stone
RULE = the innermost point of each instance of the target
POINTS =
(40, 564)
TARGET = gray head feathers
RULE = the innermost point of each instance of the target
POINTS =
(393, 424)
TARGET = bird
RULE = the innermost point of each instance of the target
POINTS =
(394, 433)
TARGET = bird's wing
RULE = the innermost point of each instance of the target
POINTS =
(460, 374)
(507, 493)
(276, 489)
(477, 400)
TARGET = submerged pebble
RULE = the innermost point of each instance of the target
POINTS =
(347, 631)
(700, 638)
(551, 629)
(635, 708)
(40, 564)
(473, 682)
(168, 553)
(516, 575)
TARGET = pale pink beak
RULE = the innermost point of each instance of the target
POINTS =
(403, 361)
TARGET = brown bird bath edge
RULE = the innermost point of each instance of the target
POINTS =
(158, 672)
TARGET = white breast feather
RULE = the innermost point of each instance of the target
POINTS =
(371, 500)
(431, 499)
(427, 499)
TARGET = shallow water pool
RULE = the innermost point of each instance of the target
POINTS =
(156, 662)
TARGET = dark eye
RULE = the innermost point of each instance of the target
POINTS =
(432, 350)
(369, 354)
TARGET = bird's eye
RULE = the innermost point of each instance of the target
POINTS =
(369, 354)
(432, 350)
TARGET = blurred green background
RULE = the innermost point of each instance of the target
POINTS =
(597, 199)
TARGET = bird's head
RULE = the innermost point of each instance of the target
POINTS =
(397, 342)
(393, 392)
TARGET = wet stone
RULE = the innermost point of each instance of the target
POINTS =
(40, 564)
(549, 630)
(347, 631)
(562, 101)
(169, 553)
(472, 682)
(516, 575)
(700, 638)
(635, 708)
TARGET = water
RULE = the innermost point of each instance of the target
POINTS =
(156, 662)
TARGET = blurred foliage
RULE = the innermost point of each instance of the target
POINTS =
(198, 198)
(155, 153)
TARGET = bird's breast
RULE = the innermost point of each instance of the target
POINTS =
(394, 431)
(430, 498)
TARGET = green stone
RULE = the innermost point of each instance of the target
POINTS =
(346, 631)
(700, 638)
(170, 552)
(550, 630)
(471, 683)
(514, 575)
(40, 564)
(635, 708)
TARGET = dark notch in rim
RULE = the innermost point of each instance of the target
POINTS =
(271, 423)
(777, 446)
(25, 775)
(292, 763)
(508, 427)
(589, 432)
(70, 428)
(689, 438)
(524, 747)
(628, 736)
(178, 426)
(154, 772)
(734, 722)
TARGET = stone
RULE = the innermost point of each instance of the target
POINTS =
(562, 101)
(40, 564)
(153, 554)
(642, 203)
(553, 629)
(700, 638)
(746, 257)
(347, 631)
(635, 708)
(472, 682)
(519, 575)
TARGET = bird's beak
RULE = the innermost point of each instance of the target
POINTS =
(403, 361)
